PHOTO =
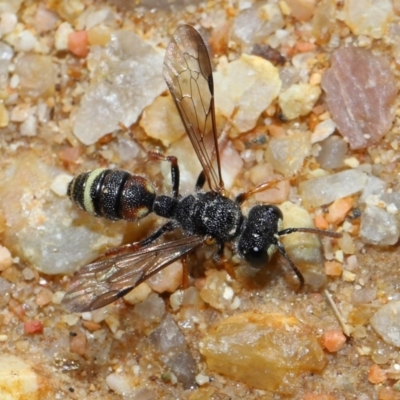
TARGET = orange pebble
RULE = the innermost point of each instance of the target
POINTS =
(387, 393)
(338, 210)
(334, 340)
(78, 43)
(320, 222)
(376, 374)
(78, 343)
(304, 47)
(333, 268)
(32, 327)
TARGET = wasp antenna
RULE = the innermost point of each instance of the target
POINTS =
(300, 276)
(320, 232)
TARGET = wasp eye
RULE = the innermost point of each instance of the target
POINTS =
(256, 257)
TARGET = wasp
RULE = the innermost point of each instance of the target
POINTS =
(206, 217)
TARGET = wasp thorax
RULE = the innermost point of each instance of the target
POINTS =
(113, 194)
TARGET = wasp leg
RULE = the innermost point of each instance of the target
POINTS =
(185, 272)
(201, 180)
(241, 197)
(222, 262)
(300, 276)
(288, 231)
(174, 170)
(131, 247)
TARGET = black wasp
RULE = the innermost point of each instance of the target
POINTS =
(206, 217)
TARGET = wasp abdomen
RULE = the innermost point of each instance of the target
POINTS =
(113, 194)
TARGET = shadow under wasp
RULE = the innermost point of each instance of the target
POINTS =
(205, 217)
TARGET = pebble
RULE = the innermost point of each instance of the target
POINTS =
(29, 126)
(378, 227)
(119, 383)
(287, 154)
(171, 343)
(256, 23)
(324, 190)
(78, 343)
(231, 164)
(61, 36)
(5, 258)
(323, 130)
(368, 97)
(168, 279)
(8, 21)
(298, 100)
(304, 249)
(161, 121)
(374, 186)
(332, 152)
(365, 17)
(78, 43)
(40, 226)
(45, 20)
(138, 294)
(243, 100)
(302, 10)
(36, 75)
(60, 184)
(217, 291)
(386, 323)
(127, 78)
(269, 345)
(25, 41)
(17, 379)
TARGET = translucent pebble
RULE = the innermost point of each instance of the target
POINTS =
(170, 342)
(61, 36)
(119, 383)
(36, 75)
(151, 309)
(161, 121)
(298, 100)
(7, 22)
(386, 323)
(41, 224)
(245, 88)
(45, 20)
(304, 249)
(366, 17)
(378, 227)
(391, 198)
(323, 130)
(11, 6)
(216, 291)
(324, 190)
(251, 346)
(374, 186)
(255, 24)
(332, 153)
(25, 41)
(302, 10)
(361, 104)
(287, 154)
(126, 78)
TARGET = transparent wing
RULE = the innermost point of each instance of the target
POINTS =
(188, 73)
(108, 279)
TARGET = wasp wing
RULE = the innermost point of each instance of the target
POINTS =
(188, 74)
(108, 279)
